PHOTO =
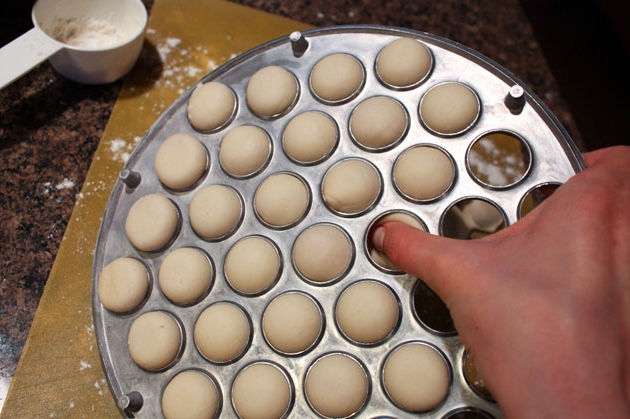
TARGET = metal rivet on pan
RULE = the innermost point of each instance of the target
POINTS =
(299, 44)
(515, 99)
(131, 403)
(130, 178)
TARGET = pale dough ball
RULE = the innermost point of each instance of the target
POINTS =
(261, 390)
(154, 340)
(337, 77)
(449, 108)
(123, 285)
(378, 123)
(322, 253)
(310, 137)
(379, 257)
(282, 200)
(215, 212)
(403, 63)
(424, 173)
(191, 395)
(271, 91)
(252, 265)
(351, 186)
(210, 106)
(180, 161)
(367, 312)
(416, 377)
(222, 332)
(244, 151)
(185, 275)
(151, 222)
(336, 386)
(292, 323)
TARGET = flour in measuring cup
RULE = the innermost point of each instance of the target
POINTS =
(90, 33)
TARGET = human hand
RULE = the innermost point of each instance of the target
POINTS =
(543, 306)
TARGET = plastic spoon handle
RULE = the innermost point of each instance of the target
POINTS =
(22, 54)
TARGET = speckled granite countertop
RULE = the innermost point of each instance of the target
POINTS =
(50, 127)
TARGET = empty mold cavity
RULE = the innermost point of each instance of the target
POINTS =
(180, 162)
(403, 64)
(468, 413)
(351, 187)
(211, 106)
(535, 197)
(473, 379)
(430, 310)
(337, 78)
(472, 218)
(252, 265)
(378, 123)
(424, 173)
(310, 137)
(271, 92)
(262, 390)
(449, 108)
(216, 212)
(245, 151)
(499, 159)
(185, 275)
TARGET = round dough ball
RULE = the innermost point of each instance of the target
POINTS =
(190, 394)
(180, 162)
(152, 223)
(322, 253)
(282, 200)
(271, 91)
(449, 108)
(185, 275)
(292, 323)
(378, 123)
(310, 137)
(351, 186)
(154, 341)
(367, 312)
(261, 390)
(215, 212)
(123, 284)
(424, 173)
(403, 63)
(211, 106)
(336, 386)
(252, 265)
(379, 257)
(416, 377)
(245, 151)
(222, 332)
(337, 77)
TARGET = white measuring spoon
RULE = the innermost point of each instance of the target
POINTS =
(90, 64)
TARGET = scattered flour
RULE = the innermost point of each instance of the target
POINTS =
(121, 149)
(85, 365)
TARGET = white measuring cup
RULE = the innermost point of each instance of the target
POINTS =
(88, 41)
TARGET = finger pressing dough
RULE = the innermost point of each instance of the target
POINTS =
(211, 106)
(322, 253)
(252, 265)
(151, 222)
(180, 161)
(192, 395)
(424, 173)
(215, 212)
(379, 257)
(292, 323)
(378, 123)
(337, 77)
(271, 91)
(185, 275)
(123, 285)
(416, 377)
(154, 340)
(336, 386)
(367, 312)
(222, 332)
(403, 63)
(261, 390)
(244, 151)
(282, 200)
(351, 186)
(310, 137)
(449, 108)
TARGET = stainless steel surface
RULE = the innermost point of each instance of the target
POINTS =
(554, 160)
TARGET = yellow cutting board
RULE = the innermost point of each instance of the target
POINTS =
(59, 373)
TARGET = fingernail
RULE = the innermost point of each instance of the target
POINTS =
(378, 235)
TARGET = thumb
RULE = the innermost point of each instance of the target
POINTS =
(444, 264)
